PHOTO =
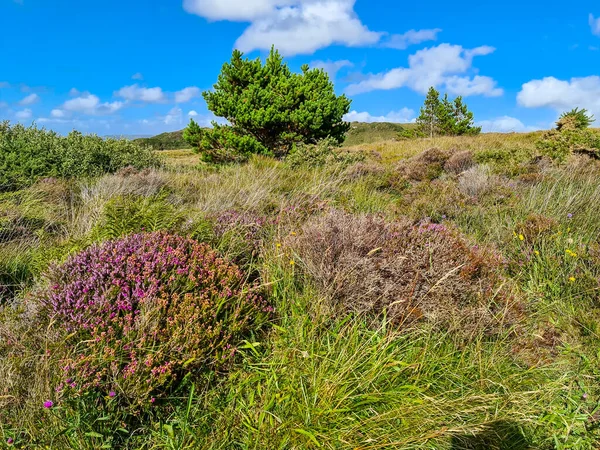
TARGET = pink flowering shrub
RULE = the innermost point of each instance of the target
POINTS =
(144, 311)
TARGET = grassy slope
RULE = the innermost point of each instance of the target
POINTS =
(359, 133)
(335, 383)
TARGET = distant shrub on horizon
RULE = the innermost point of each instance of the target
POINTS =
(28, 154)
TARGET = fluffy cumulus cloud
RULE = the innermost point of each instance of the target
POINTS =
(405, 115)
(142, 94)
(411, 37)
(186, 94)
(562, 95)
(444, 66)
(331, 67)
(29, 100)
(174, 116)
(87, 104)
(57, 113)
(24, 114)
(192, 113)
(295, 26)
(595, 24)
(504, 124)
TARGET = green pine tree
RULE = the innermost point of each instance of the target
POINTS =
(269, 109)
(193, 134)
(427, 121)
(464, 122)
(445, 117)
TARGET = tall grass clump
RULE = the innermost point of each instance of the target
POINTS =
(30, 153)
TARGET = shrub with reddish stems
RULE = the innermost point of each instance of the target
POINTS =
(424, 271)
(144, 311)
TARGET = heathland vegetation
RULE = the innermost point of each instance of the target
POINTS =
(284, 292)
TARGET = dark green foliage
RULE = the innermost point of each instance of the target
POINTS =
(444, 117)
(269, 109)
(174, 140)
(574, 119)
(463, 121)
(28, 154)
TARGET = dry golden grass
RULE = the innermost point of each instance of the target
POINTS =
(395, 150)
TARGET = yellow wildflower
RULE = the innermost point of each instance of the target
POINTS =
(536, 252)
(521, 237)
(278, 245)
(292, 262)
(571, 279)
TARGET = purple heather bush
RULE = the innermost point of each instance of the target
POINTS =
(146, 310)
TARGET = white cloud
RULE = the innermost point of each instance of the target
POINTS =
(294, 26)
(445, 66)
(504, 124)
(175, 115)
(411, 37)
(135, 92)
(192, 113)
(29, 100)
(234, 10)
(405, 115)
(24, 114)
(57, 113)
(90, 104)
(562, 95)
(137, 76)
(595, 25)
(186, 94)
(331, 67)
(74, 92)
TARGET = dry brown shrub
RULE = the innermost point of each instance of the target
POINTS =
(424, 166)
(459, 162)
(410, 272)
(536, 226)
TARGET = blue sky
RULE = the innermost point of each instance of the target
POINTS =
(139, 67)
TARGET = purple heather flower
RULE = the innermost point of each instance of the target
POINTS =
(48, 404)
(569, 216)
(584, 396)
(152, 400)
(112, 394)
(10, 441)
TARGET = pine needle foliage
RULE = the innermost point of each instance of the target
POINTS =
(269, 109)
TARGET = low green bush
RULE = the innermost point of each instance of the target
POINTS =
(558, 145)
(28, 154)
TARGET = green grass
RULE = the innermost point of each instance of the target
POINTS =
(321, 380)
